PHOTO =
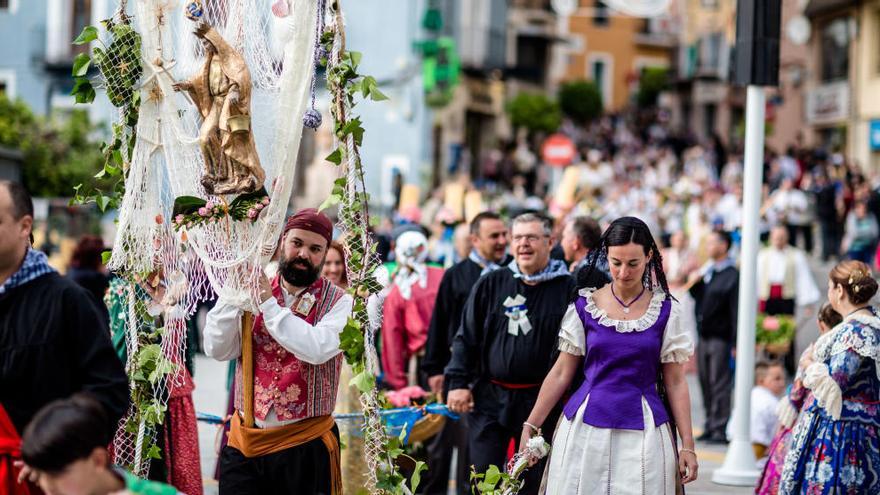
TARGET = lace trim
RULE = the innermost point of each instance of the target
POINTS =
(569, 348)
(625, 326)
(863, 339)
(825, 390)
(677, 356)
(786, 413)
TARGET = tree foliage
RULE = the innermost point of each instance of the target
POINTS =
(581, 101)
(535, 112)
(652, 82)
(58, 153)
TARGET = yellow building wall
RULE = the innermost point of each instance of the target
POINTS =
(867, 66)
(617, 42)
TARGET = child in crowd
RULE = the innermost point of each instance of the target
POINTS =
(769, 386)
(65, 446)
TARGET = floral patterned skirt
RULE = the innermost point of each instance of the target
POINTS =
(770, 477)
(832, 457)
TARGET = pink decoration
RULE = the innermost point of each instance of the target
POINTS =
(203, 211)
(771, 324)
(281, 9)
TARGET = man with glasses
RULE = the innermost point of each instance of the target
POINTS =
(506, 345)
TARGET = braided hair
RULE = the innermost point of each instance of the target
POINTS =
(621, 232)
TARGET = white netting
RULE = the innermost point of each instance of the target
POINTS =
(167, 161)
(222, 257)
(155, 356)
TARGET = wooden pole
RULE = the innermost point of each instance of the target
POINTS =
(247, 368)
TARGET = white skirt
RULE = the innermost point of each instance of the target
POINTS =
(587, 460)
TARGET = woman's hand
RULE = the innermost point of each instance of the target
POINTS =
(687, 466)
(524, 444)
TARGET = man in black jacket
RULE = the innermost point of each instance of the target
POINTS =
(53, 341)
(489, 238)
(716, 292)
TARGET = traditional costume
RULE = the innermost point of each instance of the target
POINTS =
(53, 343)
(452, 294)
(798, 399)
(407, 310)
(784, 281)
(503, 351)
(615, 436)
(294, 446)
(835, 445)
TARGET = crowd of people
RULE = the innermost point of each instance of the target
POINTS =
(569, 307)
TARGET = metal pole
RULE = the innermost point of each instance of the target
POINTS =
(739, 464)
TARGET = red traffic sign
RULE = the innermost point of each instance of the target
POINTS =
(558, 150)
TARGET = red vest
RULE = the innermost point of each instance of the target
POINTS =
(295, 389)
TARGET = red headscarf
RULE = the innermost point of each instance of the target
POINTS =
(311, 220)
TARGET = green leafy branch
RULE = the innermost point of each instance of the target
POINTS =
(121, 69)
(346, 86)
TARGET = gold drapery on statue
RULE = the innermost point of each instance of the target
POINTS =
(222, 93)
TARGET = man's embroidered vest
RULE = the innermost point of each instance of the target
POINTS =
(295, 389)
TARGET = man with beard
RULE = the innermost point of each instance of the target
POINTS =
(294, 446)
(488, 236)
(507, 344)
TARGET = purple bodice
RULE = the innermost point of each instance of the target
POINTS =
(619, 369)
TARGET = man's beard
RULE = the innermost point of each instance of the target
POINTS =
(298, 276)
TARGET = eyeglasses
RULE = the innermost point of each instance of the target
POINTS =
(528, 238)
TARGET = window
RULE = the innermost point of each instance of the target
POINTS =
(81, 16)
(834, 45)
(600, 70)
(4, 5)
(601, 16)
(7, 83)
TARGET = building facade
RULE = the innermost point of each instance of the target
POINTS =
(612, 49)
(36, 54)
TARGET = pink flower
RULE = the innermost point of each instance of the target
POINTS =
(210, 205)
(396, 398)
(252, 214)
(771, 324)
(413, 392)
(265, 200)
(178, 219)
(159, 219)
(259, 206)
(203, 211)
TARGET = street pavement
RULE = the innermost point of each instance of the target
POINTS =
(210, 397)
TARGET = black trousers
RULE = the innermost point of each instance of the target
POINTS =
(806, 231)
(303, 469)
(830, 239)
(716, 383)
(435, 481)
(488, 443)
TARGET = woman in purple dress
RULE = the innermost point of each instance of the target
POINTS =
(617, 434)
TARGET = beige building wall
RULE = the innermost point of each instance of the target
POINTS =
(867, 85)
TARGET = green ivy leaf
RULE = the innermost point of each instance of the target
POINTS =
(81, 64)
(493, 475)
(83, 90)
(417, 475)
(332, 200)
(355, 58)
(335, 157)
(364, 381)
(154, 452)
(102, 201)
(105, 257)
(88, 34)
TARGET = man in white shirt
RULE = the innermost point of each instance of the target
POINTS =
(293, 447)
(784, 277)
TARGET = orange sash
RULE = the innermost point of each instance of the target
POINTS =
(255, 442)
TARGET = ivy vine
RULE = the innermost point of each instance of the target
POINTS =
(346, 86)
(120, 66)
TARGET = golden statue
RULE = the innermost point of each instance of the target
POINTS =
(222, 93)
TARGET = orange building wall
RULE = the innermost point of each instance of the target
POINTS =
(618, 39)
